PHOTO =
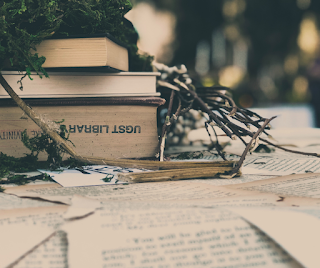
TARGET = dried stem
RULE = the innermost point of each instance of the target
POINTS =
(165, 127)
(289, 150)
(212, 116)
(216, 144)
(36, 118)
(244, 154)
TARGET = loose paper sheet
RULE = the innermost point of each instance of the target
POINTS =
(260, 200)
(172, 190)
(236, 180)
(51, 253)
(296, 232)
(303, 185)
(171, 238)
(281, 165)
(80, 207)
(8, 201)
(23, 229)
(89, 175)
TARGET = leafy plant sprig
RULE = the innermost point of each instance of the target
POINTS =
(25, 23)
(43, 143)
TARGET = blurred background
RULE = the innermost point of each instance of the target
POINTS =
(266, 51)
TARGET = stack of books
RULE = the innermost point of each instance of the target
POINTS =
(107, 110)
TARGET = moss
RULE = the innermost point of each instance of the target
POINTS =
(25, 23)
(9, 165)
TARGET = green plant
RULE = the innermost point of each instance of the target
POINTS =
(9, 165)
(25, 23)
(43, 143)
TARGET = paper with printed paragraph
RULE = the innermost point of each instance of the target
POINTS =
(8, 202)
(51, 253)
(171, 238)
(281, 165)
(24, 229)
(160, 191)
(295, 231)
(299, 185)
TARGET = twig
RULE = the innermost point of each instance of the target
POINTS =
(165, 127)
(244, 154)
(215, 144)
(154, 165)
(172, 175)
(211, 114)
(289, 150)
(36, 118)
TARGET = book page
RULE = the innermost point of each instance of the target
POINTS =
(256, 200)
(51, 253)
(171, 238)
(304, 185)
(244, 178)
(281, 165)
(24, 229)
(296, 232)
(8, 201)
(81, 207)
(175, 190)
(309, 210)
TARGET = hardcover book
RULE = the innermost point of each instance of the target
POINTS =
(84, 51)
(82, 84)
(99, 127)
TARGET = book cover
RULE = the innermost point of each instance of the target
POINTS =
(99, 127)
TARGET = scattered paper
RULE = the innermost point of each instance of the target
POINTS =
(281, 165)
(298, 233)
(300, 185)
(80, 207)
(24, 229)
(51, 253)
(157, 191)
(12, 202)
(89, 175)
(171, 238)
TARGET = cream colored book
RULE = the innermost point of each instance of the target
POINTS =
(82, 84)
(99, 127)
(88, 51)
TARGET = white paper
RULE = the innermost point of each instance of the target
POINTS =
(50, 254)
(24, 229)
(235, 180)
(301, 185)
(281, 165)
(171, 238)
(18, 240)
(155, 191)
(12, 202)
(298, 233)
(88, 175)
(81, 206)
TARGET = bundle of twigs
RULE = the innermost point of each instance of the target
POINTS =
(235, 122)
